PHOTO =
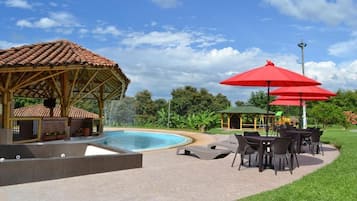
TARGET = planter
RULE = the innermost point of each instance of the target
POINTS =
(86, 131)
(60, 136)
(48, 137)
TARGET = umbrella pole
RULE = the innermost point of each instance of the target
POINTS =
(300, 115)
(267, 115)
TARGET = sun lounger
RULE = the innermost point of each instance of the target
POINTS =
(230, 143)
(203, 152)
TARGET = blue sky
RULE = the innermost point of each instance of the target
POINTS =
(165, 44)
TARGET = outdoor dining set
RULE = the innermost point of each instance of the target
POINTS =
(273, 151)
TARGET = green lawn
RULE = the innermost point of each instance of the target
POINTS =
(337, 181)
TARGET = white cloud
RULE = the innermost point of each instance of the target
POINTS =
(152, 63)
(112, 30)
(18, 4)
(55, 19)
(167, 3)
(332, 75)
(83, 31)
(330, 12)
(167, 39)
(7, 44)
(24, 23)
(345, 48)
(45, 23)
(171, 39)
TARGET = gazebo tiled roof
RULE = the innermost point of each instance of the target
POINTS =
(42, 60)
(245, 109)
(60, 70)
(41, 111)
(56, 53)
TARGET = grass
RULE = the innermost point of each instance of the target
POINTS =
(337, 181)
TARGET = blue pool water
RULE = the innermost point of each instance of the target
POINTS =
(142, 141)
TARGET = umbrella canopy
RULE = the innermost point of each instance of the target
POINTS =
(268, 76)
(302, 91)
(286, 102)
(303, 98)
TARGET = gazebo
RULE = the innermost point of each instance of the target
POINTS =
(57, 72)
(239, 117)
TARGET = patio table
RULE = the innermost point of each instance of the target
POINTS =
(263, 142)
(301, 134)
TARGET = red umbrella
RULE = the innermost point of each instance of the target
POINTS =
(303, 92)
(285, 102)
(305, 98)
(269, 76)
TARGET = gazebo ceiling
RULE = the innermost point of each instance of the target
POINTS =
(40, 70)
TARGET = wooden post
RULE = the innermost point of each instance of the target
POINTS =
(255, 122)
(101, 109)
(229, 121)
(241, 121)
(65, 95)
(6, 109)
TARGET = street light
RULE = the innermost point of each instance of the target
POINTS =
(302, 45)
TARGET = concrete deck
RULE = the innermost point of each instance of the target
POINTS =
(166, 176)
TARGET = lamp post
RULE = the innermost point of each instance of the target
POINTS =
(302, 45)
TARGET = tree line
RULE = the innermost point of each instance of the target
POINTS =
(194, 108)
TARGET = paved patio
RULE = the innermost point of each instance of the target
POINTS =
(166, 176)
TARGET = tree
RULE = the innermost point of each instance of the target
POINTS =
(145, 108)
(220, 102)
(188, 100)
(239, 103)
(328, 114)
(346, 99)
(90, 105)
(183, 99)
(258, 99)
(22, 102)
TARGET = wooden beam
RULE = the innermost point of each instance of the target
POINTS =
(255, 122)
(101, 108)
(229, 121)
(241, 121)
(73, 84)
(64, 98)
(112, 94)
(55, 85)
(75, 99)
(8, 80)
(6, 100)
(31, 80)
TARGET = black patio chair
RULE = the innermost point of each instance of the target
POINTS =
(293, 148)
(316, 144)
(244, 148)
(279, 151)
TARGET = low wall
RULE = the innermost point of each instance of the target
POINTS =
(29, 163)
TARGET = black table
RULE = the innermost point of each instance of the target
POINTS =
(300, 135)
(263, 142)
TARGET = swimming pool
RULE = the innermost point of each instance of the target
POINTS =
(142, 140)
